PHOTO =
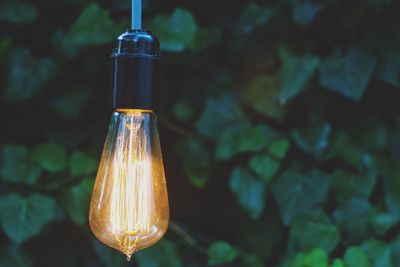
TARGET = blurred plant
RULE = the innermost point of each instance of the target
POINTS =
(280, 121)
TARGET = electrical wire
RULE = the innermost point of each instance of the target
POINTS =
(136, 14)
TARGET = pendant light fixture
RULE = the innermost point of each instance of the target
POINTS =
(129, 206)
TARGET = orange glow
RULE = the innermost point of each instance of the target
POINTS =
(129, 207)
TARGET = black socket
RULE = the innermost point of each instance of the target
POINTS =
(136, 70)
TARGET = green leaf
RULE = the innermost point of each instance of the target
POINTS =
(197, 163)
(355, 257)
(109, 256)
(279, 147)
(395, 252)
(305, 11)
(229, 113)
(347, 185)
(383, 222)
(204, 38)
(252, 16)
(164, 253)
(23, 218)
(348, 75)
(378, 253)
(183, 111)
(295, 75)
(75, 201)
(262, 96)
(16, 166)
(344, 147)
(252, 261)
(26, 75)
(15, 259)
(249, 191)
(18, 12)
(314, 230)
(176, 32)
(264, 166)
(314, 258)
(262, 237)
(102, 29)
(392, 192)
(82, 164)
(242, 138)
(221, 252)
(337, 263)
(313, 139)
(389, 67)
(354, 217)
(297, 193)
(50, 157)
(70, 104)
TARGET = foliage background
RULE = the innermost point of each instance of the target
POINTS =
(279, 122)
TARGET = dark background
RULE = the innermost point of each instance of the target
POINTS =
(279, 122)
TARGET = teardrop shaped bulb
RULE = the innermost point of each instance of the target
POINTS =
(129, 206)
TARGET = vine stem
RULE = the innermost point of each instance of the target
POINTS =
(186, 237)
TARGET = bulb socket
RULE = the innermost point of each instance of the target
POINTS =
(136, 70)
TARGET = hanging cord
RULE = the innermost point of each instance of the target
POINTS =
(136, 14)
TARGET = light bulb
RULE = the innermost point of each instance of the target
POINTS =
(129, 206)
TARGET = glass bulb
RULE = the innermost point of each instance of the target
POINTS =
(129, 206)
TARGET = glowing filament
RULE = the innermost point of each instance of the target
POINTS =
(129, 207)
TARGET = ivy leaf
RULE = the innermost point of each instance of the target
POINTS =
(261, 237)
(183, 111)
(348, 75)
(378, 253)
(344, 147)
(70, 104)
(164, 253)
(176, 32)
(229, 113)
(197, 162)
(17, 12)
(23, 218)
(337, 263)
(249, 191)
(297, 193)
(252, 261)
(253, 15)
(82, 164)
(27, 75)
(313, 139)
(305, 11)
(354, 217)
(102, 29)
(75, 201)
(16, 166)
(108, 256)
(15, 259)
(279, 147)
(314, 258)
(389, 67)
(262, 96)
(314, 229)
(51, 157)
(356, 257)
(347, 185)
(221, 252)
(264, 166)
(383, 222)
(395, 252)
(295, 75)
(392, 197)
(242, 138)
